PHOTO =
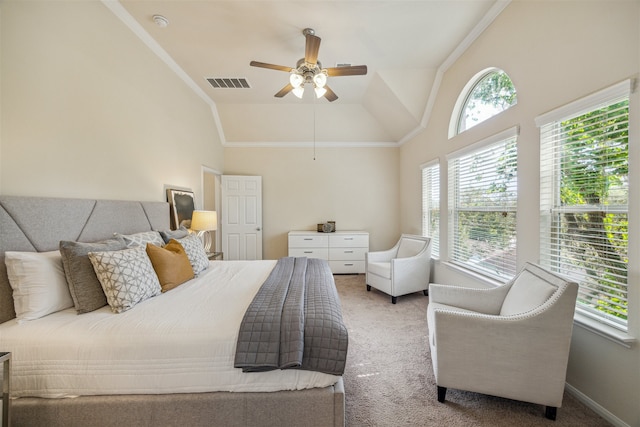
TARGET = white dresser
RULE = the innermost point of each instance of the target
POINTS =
(343, 249)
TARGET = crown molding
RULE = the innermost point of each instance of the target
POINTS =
(301, 144)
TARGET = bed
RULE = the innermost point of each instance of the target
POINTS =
(168, 360)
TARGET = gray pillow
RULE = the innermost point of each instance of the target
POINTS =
(174, 234)
(84, 286)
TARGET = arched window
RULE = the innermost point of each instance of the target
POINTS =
(488, 93)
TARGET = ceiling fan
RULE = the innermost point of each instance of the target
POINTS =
(308, 70)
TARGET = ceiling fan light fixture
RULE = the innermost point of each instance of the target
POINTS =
(320, 79)
(298, 91)
(296, 80)
(320, 91)
(309, 70)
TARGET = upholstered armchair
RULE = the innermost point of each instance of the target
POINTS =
(511, 341)
(401, 270)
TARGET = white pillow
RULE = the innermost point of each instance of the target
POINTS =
(527, 292)
(38, 282)
(127, 277)
(195, 252)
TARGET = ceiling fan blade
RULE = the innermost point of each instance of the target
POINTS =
(352, 70)
(311, 49)
(285, 90)
(270, 66)
(329, 94)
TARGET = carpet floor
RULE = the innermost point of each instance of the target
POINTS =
(389, 379)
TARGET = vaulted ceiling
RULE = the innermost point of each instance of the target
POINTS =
(406, 45)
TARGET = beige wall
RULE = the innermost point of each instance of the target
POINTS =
(356, 187)
(89, 111)
(555, 52)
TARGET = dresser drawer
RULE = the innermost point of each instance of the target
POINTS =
(346, 267)
(349, 241)
(322, 253)
(347, 254)
(308, 240)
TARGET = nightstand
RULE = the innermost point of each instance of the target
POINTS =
(5, 358)
(215, 255)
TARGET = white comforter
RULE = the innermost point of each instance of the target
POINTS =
(182, 341)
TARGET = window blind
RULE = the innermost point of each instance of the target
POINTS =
(584, 202)
(483, 205)
(431, 206)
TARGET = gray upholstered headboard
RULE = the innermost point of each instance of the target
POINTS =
(38, 224)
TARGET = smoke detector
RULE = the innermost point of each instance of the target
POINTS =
(160, 21)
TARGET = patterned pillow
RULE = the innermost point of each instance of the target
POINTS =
(174, 234)
(195, 251)
(126, 276)
(141, 239)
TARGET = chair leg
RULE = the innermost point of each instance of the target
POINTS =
(394, 300)
(368, 287)
(551, 412)
(442, 392)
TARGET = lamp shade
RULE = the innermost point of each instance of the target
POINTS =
(296, 79)
(204, 220)
(298, 91)
(320, 79)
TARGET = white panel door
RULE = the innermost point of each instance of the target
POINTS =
(241, 217)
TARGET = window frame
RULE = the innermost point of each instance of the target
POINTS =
(549, 203)
(429, 171)
(463, 99)
(474, 149)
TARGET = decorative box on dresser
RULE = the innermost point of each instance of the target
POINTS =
(343, 249)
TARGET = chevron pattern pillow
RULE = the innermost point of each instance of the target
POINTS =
(127, 277)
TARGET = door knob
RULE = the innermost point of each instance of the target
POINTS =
(258, 229)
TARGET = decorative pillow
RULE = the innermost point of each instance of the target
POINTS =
(174, 234)
(171, 264)
(527, 292)
(126, 276)
(84, 286)
(142, 238)
(196, 253)
(38, 283)
(410, 247)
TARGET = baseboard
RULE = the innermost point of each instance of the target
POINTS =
(595, 407)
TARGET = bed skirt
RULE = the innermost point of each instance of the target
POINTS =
(321, 407)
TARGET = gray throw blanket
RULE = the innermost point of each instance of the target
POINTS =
(294, 321)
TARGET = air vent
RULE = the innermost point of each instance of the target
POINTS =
(229, 83)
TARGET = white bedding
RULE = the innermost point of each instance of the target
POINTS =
(182, 341)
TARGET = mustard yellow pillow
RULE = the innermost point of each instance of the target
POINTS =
(170, 263)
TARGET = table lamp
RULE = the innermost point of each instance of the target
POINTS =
(203, 222)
